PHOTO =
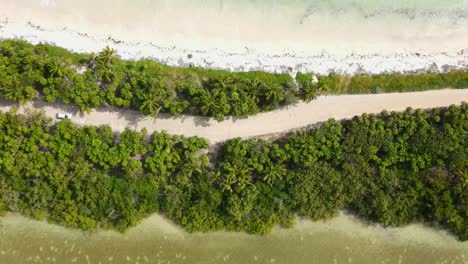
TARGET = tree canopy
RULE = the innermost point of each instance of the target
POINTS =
(393, 168)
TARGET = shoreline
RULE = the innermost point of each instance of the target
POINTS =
(156, 239)
(240, 49)
(336, 223)
(287, 61)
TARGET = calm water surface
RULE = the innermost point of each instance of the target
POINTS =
(341, 240)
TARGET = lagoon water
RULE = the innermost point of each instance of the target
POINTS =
(340, 240)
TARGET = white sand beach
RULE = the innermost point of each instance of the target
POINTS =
(276, 36)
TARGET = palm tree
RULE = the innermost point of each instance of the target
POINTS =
(244, 175)
(309, 92)
(42, 51)
(14, 90)
(253, 89)
(106, 56)
(188, 168)
(207, 102)
(236, 174)
(85, 106)
(223, 84)
(54, 69)
(273, 172)
(272, 93)
(227, 181)
(151, 103)
(103, 64)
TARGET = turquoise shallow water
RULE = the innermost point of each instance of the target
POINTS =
(452, 9)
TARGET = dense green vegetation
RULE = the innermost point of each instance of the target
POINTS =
(394, 169)
(395, 82)
(91, 80)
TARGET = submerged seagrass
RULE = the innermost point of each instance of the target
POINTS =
(89, 81)
(154, 240)
(394, 169)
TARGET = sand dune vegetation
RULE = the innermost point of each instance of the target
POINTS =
(92, 80)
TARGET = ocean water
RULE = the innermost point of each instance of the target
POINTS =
(412, 9)
(341, 240)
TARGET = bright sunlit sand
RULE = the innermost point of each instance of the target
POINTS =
(287, 36)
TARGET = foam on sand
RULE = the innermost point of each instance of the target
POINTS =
(278, 36)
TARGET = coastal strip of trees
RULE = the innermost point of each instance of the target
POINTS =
(92, 80)
(393, 168)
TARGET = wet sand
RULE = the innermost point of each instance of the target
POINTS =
(340, 240)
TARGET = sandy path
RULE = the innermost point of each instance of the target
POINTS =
(300, 115)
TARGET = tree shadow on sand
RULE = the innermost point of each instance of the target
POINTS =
(59, 106)
(132, 117)
(8, 103)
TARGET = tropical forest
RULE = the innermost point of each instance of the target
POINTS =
(393, 168)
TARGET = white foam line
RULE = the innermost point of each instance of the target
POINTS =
(321, 61)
